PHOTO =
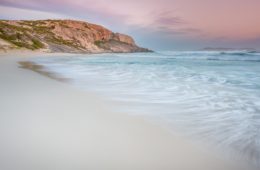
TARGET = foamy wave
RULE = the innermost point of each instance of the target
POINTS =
(218, 101)
(214, 55)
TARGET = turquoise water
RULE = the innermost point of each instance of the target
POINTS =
(212, 96)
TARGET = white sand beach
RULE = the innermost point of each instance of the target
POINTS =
(47, 124)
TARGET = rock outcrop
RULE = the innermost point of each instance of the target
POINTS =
(65, 36)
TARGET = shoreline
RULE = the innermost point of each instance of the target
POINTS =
(41, 70)
(57, 126)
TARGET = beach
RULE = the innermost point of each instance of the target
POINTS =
(49, 124)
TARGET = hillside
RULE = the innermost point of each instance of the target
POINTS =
(63, 36)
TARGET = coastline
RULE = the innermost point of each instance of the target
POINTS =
(47, 123)
(41, 70)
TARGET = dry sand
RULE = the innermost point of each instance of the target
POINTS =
(49, 125)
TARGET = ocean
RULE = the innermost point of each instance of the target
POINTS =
(211, 96)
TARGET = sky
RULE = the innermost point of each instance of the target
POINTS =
(156, 24)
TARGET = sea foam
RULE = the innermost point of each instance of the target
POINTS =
(211, 95)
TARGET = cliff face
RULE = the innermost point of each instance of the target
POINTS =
(65, 36)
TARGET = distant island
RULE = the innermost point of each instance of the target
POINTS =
(68, 36)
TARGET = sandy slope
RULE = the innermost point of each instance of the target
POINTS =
(46, 124)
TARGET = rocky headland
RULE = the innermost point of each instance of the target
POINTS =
(67, 36)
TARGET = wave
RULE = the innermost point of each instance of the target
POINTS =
(201, 93)
(239, 53)
(251, 56)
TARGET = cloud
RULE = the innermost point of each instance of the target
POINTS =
(184, 32)
(168, 24)
(18, 13)
(167, 18)
(95, 12)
